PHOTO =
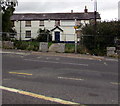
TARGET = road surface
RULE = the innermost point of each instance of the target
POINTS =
(43, 79)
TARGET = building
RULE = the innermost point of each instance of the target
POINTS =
(61, 25)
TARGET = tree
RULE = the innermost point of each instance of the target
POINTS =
(7, 9)
(104, 36)
(44, 35)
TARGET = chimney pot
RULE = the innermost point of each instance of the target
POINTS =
(86, 10)
(71, 11)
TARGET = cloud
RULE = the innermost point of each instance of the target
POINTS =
(104, 6)
(51, 6)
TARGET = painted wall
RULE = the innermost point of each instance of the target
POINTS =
(66, 25)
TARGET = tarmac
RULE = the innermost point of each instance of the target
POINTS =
(70, 55)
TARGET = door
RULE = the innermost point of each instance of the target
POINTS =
(57, 36)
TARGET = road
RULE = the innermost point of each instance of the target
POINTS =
(42, 79)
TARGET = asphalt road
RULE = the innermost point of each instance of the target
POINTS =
(39, 79)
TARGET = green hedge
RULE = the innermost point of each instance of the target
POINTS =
(27, 45)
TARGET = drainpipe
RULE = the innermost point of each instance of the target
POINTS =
(20, 30)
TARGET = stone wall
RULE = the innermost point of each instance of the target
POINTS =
(7, 44)
(43, 47)
(58, 47)
(111, 51)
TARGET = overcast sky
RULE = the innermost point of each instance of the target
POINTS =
(107, 8)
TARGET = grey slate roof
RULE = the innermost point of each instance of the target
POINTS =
(54, 16)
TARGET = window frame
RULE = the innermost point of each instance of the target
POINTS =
(28, 34)
(41, 23)
(57, 22)
(28, 23)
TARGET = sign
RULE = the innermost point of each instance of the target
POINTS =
(75, 27)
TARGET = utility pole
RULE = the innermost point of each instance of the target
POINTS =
(20, 30)
(95, 11)
(0, 21)
(95, 22)
(75, 36)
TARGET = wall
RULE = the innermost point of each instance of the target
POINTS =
(66, 25)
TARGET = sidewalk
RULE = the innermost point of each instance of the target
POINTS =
(70, 55)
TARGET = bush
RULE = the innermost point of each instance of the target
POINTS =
(82, 49)
(69, 47)
(44, 35)
(26, 45)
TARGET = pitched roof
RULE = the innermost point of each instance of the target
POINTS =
(57, 28)
(54, 16)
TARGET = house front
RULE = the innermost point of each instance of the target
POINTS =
(61, 25)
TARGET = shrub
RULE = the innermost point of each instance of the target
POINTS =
(69, 48)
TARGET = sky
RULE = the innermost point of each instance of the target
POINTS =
(108, 9)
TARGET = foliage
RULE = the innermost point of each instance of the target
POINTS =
(26, 45)
(44, 35)
(97, 38)
(69, 47)
(7, 11)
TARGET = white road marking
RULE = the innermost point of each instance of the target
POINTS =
(115, 83)
(57, 100)
(38, 57)
(105, 63)
(70, 78)
(6, 79)
(57, 62)
(15, 53)
(57, 58)
(47, 58)
(115, 60)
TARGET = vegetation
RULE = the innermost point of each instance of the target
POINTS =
(44, 35)
(69, 47)
(7, 11)
(27, 45)
(97, 38)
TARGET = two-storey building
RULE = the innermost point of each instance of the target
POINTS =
(61, 25)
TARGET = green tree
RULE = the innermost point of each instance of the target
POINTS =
(7, 9)
(44, 35)
(96, 39)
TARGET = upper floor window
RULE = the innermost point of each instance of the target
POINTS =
(57, 23)
(78, 22)
(28, 24)
(28, 34)
(41, 22)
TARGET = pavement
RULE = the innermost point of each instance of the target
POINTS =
(70, 55)
(58, 78)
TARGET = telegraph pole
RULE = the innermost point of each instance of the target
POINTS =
(95, 11)
(0, 21)
(75, 36)
(20, 30)
(95, 22)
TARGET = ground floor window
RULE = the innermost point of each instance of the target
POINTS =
(28, 34)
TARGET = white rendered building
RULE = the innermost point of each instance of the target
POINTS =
(61, 25)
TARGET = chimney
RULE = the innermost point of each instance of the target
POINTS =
(71, 11)
(86, 10)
